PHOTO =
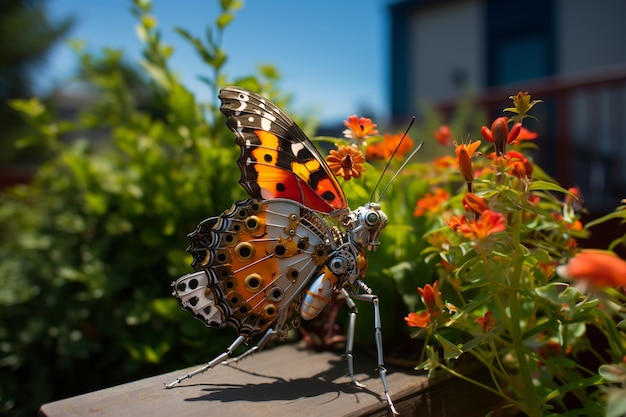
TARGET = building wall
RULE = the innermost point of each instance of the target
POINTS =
(570, 53)
(590, 34)
(446, 44)
(446, 55)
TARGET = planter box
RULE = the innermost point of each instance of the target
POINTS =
(284, 381)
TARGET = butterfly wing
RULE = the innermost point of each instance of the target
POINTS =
(253, 260)
(277, 159)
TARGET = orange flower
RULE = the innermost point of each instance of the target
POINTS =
(464, 153)
(547, 268)
(550, 347)
(488, 223)
(443, 135)
(598, 268)
(514, 163)
(384, 149)
(475, 204)
(431, 203)
(346, 162)
(359, 128)
(438, 240)
(487, 322)
(499, 133)
(518, 165)
(575, 199)
(421, 319)
(431, 297)
(443, 162)
(455, 222)
(533, 199)
(573, 225)
(524, 134)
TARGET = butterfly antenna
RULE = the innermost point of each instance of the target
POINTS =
(400, 169)
(406, 132)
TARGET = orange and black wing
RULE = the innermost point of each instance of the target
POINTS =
(253, 260)
(277, 159)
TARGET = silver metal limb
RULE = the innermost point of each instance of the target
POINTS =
(350, 337)
(271, 333)
(221, 358)
(368, 296)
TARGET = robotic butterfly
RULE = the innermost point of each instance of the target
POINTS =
(282, 254)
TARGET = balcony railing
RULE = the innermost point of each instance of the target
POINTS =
(582, 130)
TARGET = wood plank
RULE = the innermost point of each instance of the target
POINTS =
(285, 381)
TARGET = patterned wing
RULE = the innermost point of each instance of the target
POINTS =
(253, 260)
(277, 159)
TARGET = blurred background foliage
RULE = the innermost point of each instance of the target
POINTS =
(90, 247)
(21, 54)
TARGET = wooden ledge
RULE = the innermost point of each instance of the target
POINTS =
(284, 381)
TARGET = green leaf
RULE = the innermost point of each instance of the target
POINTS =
(27, 141)
(33, 108)
(270, 72)
(450, 350)
(183, 106)
(432, 361)
(231, 5)
(473, 343)
(616, 402)
(547, 186)
(613, 373)
(158, 74)
(148, 21)
(166, 307)
(613, 215)
(144, 5)
(224, 20)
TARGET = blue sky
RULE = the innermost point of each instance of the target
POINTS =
(332, 54)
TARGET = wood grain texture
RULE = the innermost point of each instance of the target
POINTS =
(284, 381)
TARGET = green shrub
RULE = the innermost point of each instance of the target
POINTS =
(89, 248)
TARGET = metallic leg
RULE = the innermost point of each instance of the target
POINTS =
(221, 358)
(350, 337)
(269, 335)
(378, 335)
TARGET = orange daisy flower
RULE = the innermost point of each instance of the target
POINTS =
(383, 150)
(488, 223)
(347, 162)
(359, 128)
(431, 202)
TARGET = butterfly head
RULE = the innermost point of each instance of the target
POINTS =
(365, 224)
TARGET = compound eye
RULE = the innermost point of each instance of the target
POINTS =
(372, 218)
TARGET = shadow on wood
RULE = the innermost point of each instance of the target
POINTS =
(286, 380)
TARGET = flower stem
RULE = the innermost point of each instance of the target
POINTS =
(500, 394)
(532, 400)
